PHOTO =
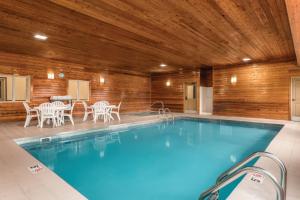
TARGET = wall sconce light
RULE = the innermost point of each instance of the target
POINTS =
(102, 80)
(50, 75)
(168, 83)
(233, 79)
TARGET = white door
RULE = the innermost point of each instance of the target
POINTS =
(206, 100)
(296, 99)
(190, 100)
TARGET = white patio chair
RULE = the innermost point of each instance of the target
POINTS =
(59, 112)
(99, 109)
(87, 110)
(116, 111)
(69, 113)
(108, 111)
(30, 113)
(48, 111)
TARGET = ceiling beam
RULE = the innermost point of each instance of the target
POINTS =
(293, 9)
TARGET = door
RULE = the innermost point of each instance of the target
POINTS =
(190, 99)
(2, 89)
(206, 100)
(295, 99)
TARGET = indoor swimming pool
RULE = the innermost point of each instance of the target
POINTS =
(174, 160)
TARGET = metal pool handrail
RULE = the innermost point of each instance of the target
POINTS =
(237, 174)
(167, 110)
(163, 113)
(283, 171)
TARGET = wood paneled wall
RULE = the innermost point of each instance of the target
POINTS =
(262, 90)
(173, 95)
(132, 89)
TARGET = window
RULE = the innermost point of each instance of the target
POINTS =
(79, 90)
(14, 88)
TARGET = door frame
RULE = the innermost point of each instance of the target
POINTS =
(293, 118)
(197, 95)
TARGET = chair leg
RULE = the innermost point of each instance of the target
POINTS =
(58, 122)
(118, 115)
(42, 122)
(26, 122)
(38, 118)
(105, 117)
(108, 117)
(85, 116)
(54, 122)
(95, 118)
(71, 119)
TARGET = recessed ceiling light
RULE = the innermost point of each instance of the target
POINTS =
(246, 59)
(163, 65)
(40, 37)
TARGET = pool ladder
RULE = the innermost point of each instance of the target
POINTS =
(166, 114)
(237, 171)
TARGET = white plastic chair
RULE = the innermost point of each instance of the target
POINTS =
(30, 113)
(99, 109)
(48, 111)
(87, 110)
(69, 113)
(116, 111)
(59, 112)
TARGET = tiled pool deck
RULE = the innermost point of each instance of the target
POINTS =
(18, 183)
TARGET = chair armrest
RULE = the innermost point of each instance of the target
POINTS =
(33, 110)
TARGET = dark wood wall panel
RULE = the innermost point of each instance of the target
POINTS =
(173, 95)
(206, 78)
(262, 90)
(133, 90)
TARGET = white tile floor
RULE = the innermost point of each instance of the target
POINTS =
(17, 183)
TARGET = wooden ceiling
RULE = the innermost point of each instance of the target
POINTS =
(293, 7)
(138, 35)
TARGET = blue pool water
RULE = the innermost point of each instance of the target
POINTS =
(161, 161)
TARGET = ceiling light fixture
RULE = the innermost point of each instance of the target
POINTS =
(246, 59)
(162, 65)
(40, 37)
